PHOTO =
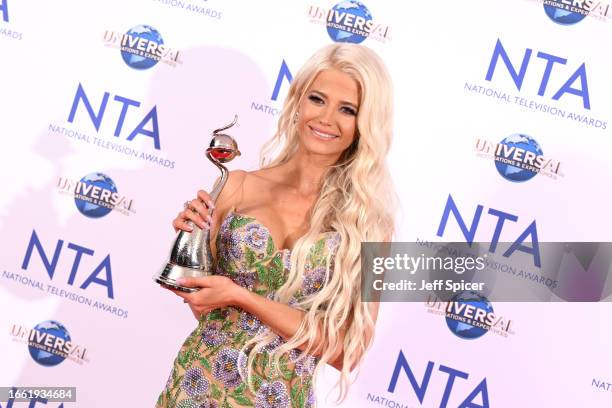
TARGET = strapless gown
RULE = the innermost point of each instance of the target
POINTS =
(210, 368)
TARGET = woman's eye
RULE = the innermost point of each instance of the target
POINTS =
(315, 99)
(349, 110)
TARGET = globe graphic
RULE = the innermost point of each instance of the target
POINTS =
(134, 60)
(355, 8)
(466, 330)
(43, 357)
(513, 173)
(92, 210)
(561, 16)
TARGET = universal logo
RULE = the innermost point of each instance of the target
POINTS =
(569, 12)
(518, 158)
(49, 343)
(349, 21)
(95, 195)
(142, 47)
(470, 315)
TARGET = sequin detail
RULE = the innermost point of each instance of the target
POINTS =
(210, 369)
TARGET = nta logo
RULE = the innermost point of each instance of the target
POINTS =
(479, 393)
(517, 73)
(4, 10)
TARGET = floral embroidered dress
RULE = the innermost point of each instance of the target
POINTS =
(210, 369)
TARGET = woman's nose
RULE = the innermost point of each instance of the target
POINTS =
(326, 115)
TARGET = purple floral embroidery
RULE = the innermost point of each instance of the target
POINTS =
(272, 395)
(246, 279)
(187, 403)
(197, 403)
(249, 323)
(213, 404)
(209, 404)
(228, 364)
(311, 399)
(304, 363)
(226, 367)
(194, 382)
(230, 243)
(334, 242)
(206, 403)
(213, 336)
(270, 347)
(305, 366)
(274, 344)
(314, 281)
(256, 236)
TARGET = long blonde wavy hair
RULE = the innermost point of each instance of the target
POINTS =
(356, 200)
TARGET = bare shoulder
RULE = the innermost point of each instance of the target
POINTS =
(263, 176)
(235, 178)
(244, 185)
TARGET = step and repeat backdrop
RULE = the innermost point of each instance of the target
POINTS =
(502, 134)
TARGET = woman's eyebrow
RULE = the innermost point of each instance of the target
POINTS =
(342, 102)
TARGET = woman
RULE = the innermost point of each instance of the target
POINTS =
(285, 298)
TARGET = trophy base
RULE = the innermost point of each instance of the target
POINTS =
(172, 272)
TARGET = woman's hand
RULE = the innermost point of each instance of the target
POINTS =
(198, 210)
(216, 292)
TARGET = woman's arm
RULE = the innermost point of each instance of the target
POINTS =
(284, 320)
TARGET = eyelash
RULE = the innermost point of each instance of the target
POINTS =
(318, 100)
(349, 111)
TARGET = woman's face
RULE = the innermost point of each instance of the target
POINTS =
(327, 116)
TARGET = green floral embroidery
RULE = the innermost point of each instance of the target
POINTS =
(212, 358)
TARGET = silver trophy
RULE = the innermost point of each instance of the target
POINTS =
(191, 254)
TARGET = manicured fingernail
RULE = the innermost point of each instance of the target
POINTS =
(208, 218)
(210, 204)
(189, 228)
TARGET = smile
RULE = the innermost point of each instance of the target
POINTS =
(323, 135)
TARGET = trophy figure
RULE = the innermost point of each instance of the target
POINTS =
(191, 253)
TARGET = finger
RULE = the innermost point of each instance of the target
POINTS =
(201, 209)
(195, 218)
(203, 282)
(179, 223)
(206, 199)
(186, 296)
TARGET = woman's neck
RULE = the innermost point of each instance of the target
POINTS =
(304, 173)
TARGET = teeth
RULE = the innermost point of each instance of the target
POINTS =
(324, 135)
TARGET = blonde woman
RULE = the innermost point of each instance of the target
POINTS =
(285, 299)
